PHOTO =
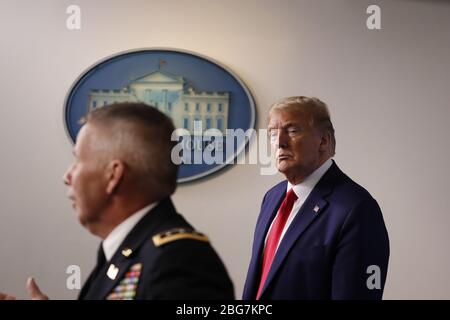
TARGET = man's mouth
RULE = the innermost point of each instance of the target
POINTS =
(72, 199)
(284, 157)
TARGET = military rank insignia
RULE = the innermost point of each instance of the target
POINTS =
(126, 290)
(177, 234)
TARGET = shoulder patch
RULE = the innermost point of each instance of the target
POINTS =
(177, 234)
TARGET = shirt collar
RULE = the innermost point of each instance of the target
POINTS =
(119, 233)
(303, 188)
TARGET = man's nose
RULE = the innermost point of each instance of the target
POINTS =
(67, 177)
(282, 139)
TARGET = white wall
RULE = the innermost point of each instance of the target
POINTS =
(388, 92)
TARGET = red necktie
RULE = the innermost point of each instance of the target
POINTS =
(274, 236)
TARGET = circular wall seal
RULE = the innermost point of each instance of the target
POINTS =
(207, 102)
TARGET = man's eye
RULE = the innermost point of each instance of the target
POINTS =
(292, 130)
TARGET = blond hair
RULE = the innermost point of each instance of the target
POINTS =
(317, 110)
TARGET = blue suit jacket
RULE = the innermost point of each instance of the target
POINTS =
(324, 254)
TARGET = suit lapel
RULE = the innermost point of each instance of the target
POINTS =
(267, 215)
(313, 206)
(123, 257)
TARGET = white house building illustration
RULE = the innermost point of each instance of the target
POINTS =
(166, 92)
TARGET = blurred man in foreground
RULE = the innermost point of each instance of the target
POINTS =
(120, 186)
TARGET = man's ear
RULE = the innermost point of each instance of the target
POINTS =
(114, 174)
(325, 141)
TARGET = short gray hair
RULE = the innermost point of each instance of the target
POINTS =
(140, 136)
(317, 110)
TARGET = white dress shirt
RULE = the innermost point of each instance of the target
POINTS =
(302, 190)
(120, 232)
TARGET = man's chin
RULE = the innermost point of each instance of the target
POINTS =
(283, 167)
(90, 223)
(82, 221)
(288, 171)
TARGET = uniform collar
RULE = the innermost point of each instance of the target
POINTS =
(119, 233)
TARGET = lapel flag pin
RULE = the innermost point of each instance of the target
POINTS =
(112, 272)
(316, 209)
(127, 252)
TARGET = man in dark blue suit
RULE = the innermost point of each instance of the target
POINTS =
(319, 234)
